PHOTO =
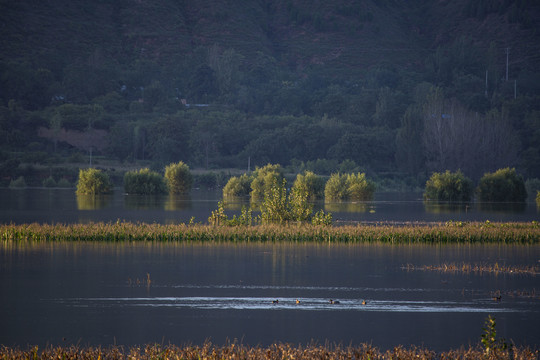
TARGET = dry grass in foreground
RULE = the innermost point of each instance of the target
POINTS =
(276, 351)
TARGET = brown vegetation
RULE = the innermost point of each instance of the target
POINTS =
(275, 351)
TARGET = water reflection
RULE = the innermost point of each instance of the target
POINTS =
(93, 202)
(436, 207)
(144, 202)
(178, 202)
(350, 207)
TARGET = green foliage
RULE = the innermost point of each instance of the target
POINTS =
(219, 218)
(238, 186)
(93, 182)
(322, 218)
(336, 187)
(448, 186)
(275, 207)
(489, 340)
(349, 187)
(178, 178)
(18, 183)
(359, 188)
(504, 185)
(49, 182)
(311, 184)
(144, 182)
(538, 198)
(263, 180)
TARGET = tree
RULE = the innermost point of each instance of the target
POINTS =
(144, 182)
(448, 186)
(93, 182)
(178, 178)
(264, 179)
(238, 186)
(504, 185)
(310, 184)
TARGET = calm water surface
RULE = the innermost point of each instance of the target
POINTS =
(63, 206)
(99, 294)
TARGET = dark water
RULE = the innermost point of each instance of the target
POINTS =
(63, 206)
(99, 294)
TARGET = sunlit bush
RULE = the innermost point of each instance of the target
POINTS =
(501, 186)
(359, 187)
(238, 186)
(178, 178)
(311, 184)
(349, 187)
(336, 187)
(93, 182)
(264, 179)
(448, 186)
(144, 182)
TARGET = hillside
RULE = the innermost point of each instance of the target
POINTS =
(292, 79)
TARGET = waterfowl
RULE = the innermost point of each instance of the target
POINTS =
(364, 302)
(334, 301)
(275, 301)
(497, 298)
(297, 301)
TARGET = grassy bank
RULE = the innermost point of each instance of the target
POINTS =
(468, 233)
(275, 351)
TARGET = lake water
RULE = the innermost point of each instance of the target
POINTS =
(63, 206)
(99, 294)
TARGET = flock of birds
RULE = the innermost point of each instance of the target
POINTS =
(332, 301)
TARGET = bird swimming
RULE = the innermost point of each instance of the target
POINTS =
(334, 301)
(275, 301)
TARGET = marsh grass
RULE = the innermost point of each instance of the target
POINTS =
(478, 269)
(466, 233)
(275, 351)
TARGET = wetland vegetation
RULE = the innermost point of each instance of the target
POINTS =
(444, 233)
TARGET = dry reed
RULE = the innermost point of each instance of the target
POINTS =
(275, 351)
(439, 233)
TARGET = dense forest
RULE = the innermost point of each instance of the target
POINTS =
(396, 89)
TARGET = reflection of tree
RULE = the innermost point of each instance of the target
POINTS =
(178, 202)
(143, 202)
(436, 207)
(350, 207)
(93, 202)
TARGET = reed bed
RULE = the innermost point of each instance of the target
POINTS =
(275, 351)
(478, 269)
(438, 233)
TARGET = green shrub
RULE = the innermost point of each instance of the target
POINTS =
(448, 186)
(63, 183)
(312, 184)
(263, 180)
(359, 188)
(178, 178)
(18, 183)
(49, 182)
(538, 198)
(504, 185)
(336, 187)
(238, 186)
(144, 182)
(532, 186)
(93, 182)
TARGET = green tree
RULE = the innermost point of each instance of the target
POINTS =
(336, 187)
(359, 187)
(448, 186)
(93, 182)
(311, 184)
(144, 182)
(264, 179)
(178, 178)
(504, 185)
(238, 186)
